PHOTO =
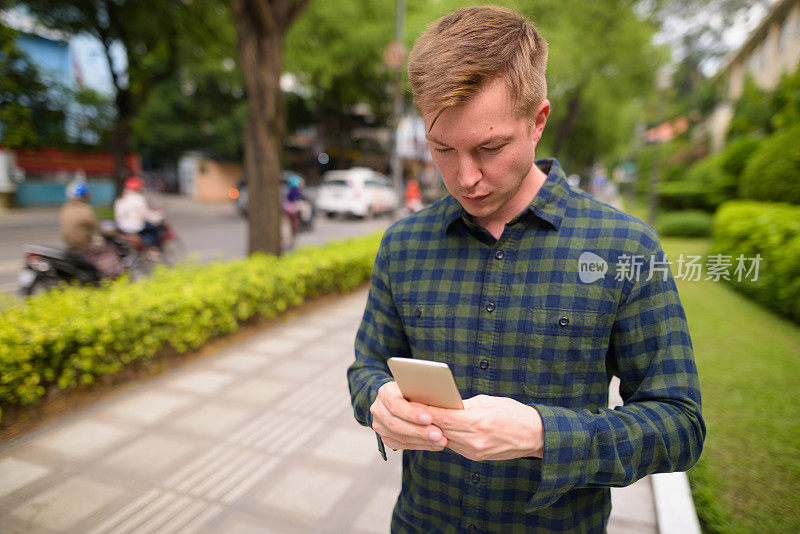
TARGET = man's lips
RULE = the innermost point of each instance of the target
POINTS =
(475, 198)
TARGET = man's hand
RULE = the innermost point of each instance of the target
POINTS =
(491, 428)
(402, 424)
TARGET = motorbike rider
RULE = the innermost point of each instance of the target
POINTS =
(134, 216)
(298, 202)
(81, 232)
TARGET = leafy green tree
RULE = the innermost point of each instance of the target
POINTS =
(144, 43)
(36, 110)
(600, 71)
(201, 106)
(30, 112)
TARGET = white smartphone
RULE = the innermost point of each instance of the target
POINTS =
(427, 382)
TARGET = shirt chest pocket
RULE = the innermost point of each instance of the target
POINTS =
(567, 350)
(429, 330)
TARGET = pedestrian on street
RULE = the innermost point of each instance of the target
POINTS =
(492, 280)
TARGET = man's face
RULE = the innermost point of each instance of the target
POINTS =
(485, 154)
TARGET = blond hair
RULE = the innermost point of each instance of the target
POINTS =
(460, 52)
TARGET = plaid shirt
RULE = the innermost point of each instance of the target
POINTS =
(512, 317)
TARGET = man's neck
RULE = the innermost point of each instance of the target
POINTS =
(528, 191)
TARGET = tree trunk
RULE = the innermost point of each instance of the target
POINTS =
(261, 56)
(120, 139)
(566, 126)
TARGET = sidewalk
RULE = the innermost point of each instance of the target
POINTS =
(258, 438)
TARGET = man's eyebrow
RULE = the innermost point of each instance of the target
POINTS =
(491, 139)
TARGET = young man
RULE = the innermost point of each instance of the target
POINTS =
(490, 281)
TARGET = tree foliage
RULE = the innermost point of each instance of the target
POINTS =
(30, 114)
(37, 110)
(144, 43)
(761, 112)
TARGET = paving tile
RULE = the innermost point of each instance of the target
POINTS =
(241, 362)
(204, 382)
(64, 505)
(211, 419)
(258, 391)
(82, 439)
(272, 344)
(634, 502)
(151, 406)
(158, 511)
(151, 454)
(349, 445)
(294, 369)
(307, 492)
(238, 523)
(377, 514)
(306, 331)
(15, 474)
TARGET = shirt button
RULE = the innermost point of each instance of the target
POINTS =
(472, 529)
(476, 478)
(563, 321)
(490, 307)
(418, 313)
(484, 364)
(499, 254)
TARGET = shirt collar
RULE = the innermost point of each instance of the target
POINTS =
(548, 205)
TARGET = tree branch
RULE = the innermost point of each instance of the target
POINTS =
(295, 11)
(264, 14)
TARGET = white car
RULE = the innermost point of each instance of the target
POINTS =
(359, 191)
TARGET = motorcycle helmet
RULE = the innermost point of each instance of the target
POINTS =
(134, 183)
(294, 181)
(77, 190)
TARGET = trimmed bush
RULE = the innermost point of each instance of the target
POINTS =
(687, 223)
(710, 177)
(771, 230)
(71, 337)
(684, 195)
(736, 153)
(772, 172)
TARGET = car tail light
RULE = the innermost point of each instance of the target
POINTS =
(37, 263)
(233, 193)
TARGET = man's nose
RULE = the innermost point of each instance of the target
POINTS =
(469, 173)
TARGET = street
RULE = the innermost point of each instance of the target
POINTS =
(209, 231)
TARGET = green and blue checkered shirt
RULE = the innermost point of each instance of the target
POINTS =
(517, 317)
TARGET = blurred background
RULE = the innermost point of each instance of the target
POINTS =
(685, 113)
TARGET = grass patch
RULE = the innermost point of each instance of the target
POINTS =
(749, 364)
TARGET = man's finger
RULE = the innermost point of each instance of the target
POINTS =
(418, 436)
(398, 406)
(447, 419)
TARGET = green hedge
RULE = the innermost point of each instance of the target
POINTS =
(772, 172)
(773, 231)
(684, 195)
(686, 223)
(71, 337)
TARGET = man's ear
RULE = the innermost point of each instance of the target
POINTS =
(541, 119)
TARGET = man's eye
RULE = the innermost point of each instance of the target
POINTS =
(442, 150)
(491, 149)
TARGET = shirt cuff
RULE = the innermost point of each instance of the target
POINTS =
(372, 396)
(567, 439)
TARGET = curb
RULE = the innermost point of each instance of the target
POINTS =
(675, 511)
